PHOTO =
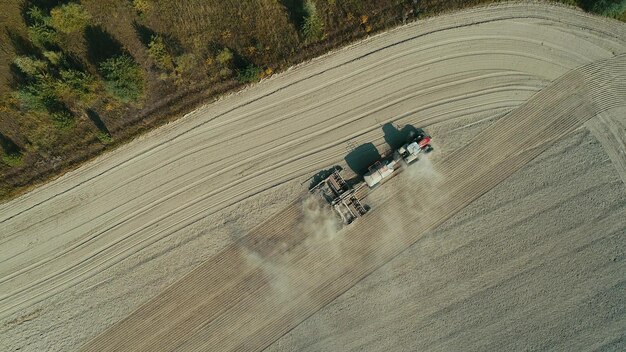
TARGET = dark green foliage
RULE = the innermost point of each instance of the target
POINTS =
(225, 57)
(30, 65)
(45, 92)
(78, 84)
(63, 119)
(609, 8)
(249, 74)
(123, 78)
(11, 154)
(40, 95)
(40, 32)
(313, 26)
(13, 159)
(104, 137)
(157, 50)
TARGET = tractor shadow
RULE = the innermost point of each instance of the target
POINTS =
(320, 176)
(396, 136)
(361, 158)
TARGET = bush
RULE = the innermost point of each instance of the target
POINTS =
(69, 18)
(63, 119)
(313, 26)
(12, 159)
(40, 95)
(158, 52)
(39, 31)
(79, 84)
(104, 137)
(42, 35)
(225, 57)
(185, 63)
(29, 65)
(249, 74)
(54, 57)
(123, 78)
(609, 8)
(225, 72)
(36, 16)
(142, 6)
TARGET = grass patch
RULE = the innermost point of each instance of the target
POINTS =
(249, 74)
(12, 160)
(104, 137)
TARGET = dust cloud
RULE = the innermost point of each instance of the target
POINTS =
(319, 223)
(423, 171)
(278, 276)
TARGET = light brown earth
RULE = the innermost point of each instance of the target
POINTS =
(535, 263)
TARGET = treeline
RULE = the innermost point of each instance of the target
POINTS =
(79, 76)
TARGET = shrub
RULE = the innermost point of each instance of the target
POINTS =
(29, 99)
(104, 137)
(42, 35)
(68, 18)
(609, 8)
(158, 52)
(63, 119)
(225, 72)
(225, 57)
(79, 84)
(12, 159)
(313, 26)
(123, 78)
(40, 95)
(249, 74)
(185, 63)
(54, 57)
(39, 31)
(36, 16)
(29, 65)
(142, 6)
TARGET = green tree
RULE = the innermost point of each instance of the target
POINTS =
(77, 84)
(40, 95)
(157, 50)
(12, 159)
(610, 8)
(123, 78)
(68, 18)
(39, 31)
(29, 65)
(63, 119)
(313, 26)
(42, 35)
(36, 15)
(104, 137)
(249, 74)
